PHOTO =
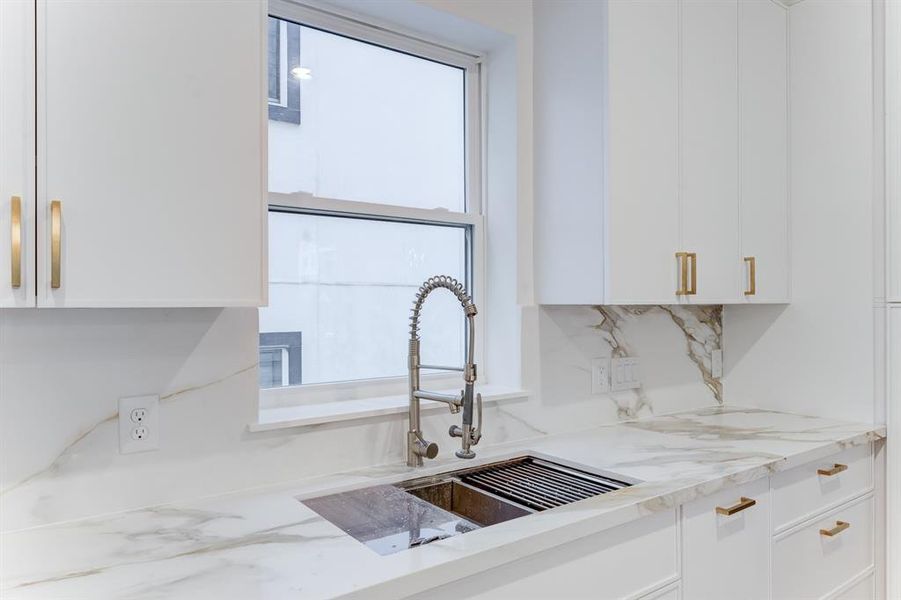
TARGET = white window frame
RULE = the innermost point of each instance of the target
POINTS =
(473, 217)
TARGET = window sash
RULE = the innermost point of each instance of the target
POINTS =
(309, 16)
(472, 218)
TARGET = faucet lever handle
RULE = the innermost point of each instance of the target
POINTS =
(477, 430)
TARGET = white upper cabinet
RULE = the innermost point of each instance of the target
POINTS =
(709, 147)
(763, 131)
(642, 174)
(151, 138)
(645, 150)
(893, 150)
(17, 153)
(569, 141)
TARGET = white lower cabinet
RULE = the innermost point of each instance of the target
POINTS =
(670, 592)
(820, 557)
(629, 561)
(803, 533)
(862, 589)
(802, 492)
(726, 543)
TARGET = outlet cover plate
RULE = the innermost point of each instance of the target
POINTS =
(128, 443)
(600, 375)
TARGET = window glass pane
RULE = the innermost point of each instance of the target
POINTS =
(345, 286)
(375, 125)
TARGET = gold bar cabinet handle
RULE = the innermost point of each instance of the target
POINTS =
(752, 275)
(16, 237)
(835, 470)
(56, 209)
(693, 257)
(736, 508)
(840, 526)
(683, 273)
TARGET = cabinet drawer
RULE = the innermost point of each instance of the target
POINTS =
(724, 554)
(809, 564)
(801, 492)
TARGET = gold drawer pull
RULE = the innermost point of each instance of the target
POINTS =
(735, 508)
(835, 470)
(840, 526)
(752, 275)
(55, 249)
(16, 237)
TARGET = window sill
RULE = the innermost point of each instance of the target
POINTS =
(285, 417)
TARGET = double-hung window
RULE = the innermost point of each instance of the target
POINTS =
(375, 189)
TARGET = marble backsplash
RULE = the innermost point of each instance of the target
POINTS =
(63, 371)
(674, 343)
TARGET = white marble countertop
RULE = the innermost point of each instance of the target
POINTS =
(265, 544)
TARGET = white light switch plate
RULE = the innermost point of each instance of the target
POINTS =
(600, 375)
(716, 363)
(625, 373)
(139, 424)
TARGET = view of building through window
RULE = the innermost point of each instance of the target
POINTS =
(377, 126)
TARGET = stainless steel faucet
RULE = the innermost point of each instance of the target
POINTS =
(417, 446)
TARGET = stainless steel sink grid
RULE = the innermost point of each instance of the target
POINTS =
(539, 484)
(391, 518)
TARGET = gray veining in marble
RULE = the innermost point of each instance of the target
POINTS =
(702, 327)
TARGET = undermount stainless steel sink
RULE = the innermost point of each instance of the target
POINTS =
(391, 518)
(468, 502)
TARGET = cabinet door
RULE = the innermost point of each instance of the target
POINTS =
(152, 137)
(727, 556)
(642, 217)
(569, 152)
(17, 153)
(622, 562)
(763, 197)
(709, 145)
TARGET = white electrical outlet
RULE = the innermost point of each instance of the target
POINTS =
(625, 373)
(139, 429)
(600, 375)
(716, 363)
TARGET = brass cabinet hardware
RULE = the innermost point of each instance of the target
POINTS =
(752, 275)
(835, 470)
(840, 526)
(55, 235)
(693, 258)
(683, 273)
(16, 237)
(688, 270)
(743, 503)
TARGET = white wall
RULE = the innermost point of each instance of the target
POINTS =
(816, 355)
(63, 371)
